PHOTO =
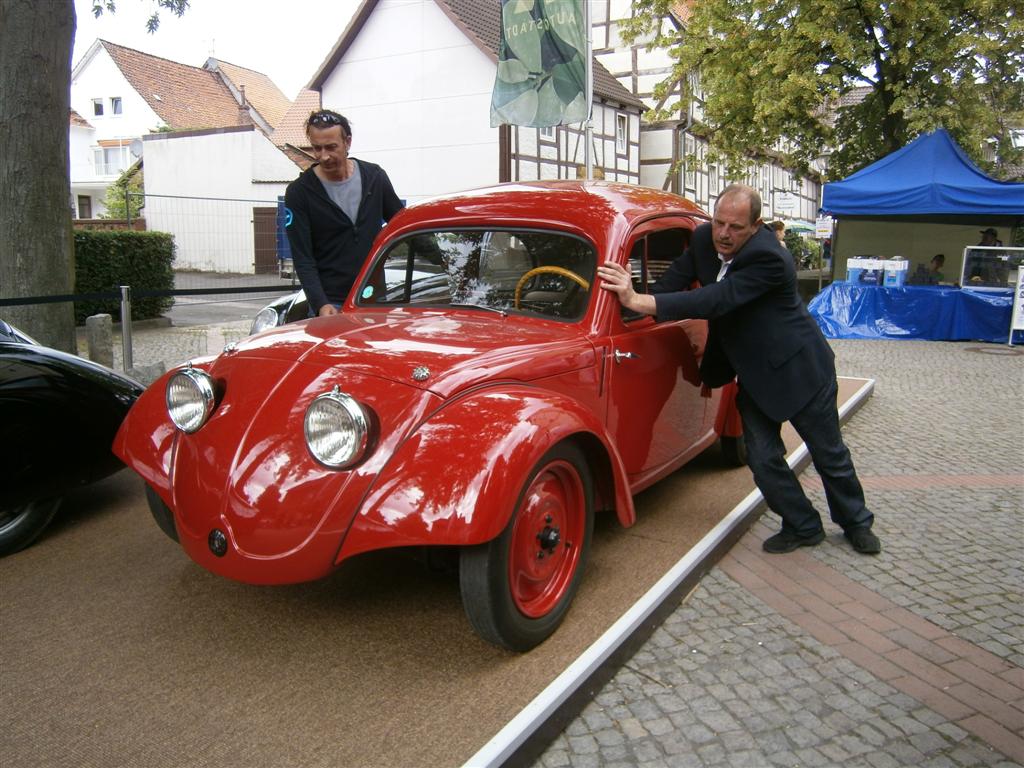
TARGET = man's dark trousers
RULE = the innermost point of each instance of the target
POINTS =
(818, 424)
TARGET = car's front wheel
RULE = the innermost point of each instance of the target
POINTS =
(517, 588)
(21, 524)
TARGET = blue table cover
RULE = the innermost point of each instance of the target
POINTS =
(935, 313)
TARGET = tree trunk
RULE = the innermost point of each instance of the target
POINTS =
(36, 244)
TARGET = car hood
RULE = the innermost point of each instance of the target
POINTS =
(442, 352)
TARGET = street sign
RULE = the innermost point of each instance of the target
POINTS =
(785, 201)
(823, 228)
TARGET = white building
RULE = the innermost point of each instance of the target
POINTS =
(415, 80)
(124, 94)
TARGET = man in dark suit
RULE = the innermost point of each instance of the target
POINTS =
(760, 331)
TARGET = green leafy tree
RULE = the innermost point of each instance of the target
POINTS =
(124, 198)
(774, 72)
(36, 246)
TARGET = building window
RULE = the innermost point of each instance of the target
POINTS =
(84, 207)
(115, 105)
(690, 160)
(97, 107)
(547, 133)
(621, 134)
(713, 180)
(110, 161)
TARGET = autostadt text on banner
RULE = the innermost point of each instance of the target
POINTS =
(541, 77)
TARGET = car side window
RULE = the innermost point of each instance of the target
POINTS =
(638, 271)
(650, 256)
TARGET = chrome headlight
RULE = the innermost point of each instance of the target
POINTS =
(337, 429)
(190, 398)
(265, 318)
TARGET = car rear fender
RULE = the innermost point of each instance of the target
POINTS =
(456, 479)
(727, 420)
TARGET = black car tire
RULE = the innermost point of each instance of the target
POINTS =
(509, 601)
(20, 525)
(161, 513)
(734, 449)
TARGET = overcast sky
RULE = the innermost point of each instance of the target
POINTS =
(286, 40)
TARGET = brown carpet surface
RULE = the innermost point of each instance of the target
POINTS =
(117, 650)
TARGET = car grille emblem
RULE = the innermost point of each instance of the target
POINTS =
(420, 373)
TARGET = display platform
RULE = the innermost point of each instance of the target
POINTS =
(119, 651)
(933, 313)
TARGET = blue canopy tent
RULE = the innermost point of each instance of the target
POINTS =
(923, 199)
(931, 175)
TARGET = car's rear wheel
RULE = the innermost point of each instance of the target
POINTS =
(517, 588)
(734, 449)
(21, 524)
(161, 513)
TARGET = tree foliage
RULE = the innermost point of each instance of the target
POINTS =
(775, 72)
(177, 7)
(124, 198)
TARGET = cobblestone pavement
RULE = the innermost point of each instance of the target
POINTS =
(823, 657)
(157, 347)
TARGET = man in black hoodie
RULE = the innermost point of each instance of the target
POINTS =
(335, 210)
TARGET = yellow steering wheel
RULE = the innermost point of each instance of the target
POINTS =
(549, 271)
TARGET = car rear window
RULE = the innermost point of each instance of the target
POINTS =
(531, 272)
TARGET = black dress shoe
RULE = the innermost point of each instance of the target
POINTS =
(786, 541)
(863, 541)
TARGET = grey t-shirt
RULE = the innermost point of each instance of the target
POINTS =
(346, 194)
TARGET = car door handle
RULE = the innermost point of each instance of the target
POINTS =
(620, 356)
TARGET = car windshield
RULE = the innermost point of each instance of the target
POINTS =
(531, 272)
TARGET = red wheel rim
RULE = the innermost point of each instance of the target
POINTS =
(546, 539)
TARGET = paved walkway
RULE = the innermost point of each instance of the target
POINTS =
(823, 657)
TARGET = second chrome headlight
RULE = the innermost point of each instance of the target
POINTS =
(337, 429)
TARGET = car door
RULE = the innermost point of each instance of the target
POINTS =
(656, 410)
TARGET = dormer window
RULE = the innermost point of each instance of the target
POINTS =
(97, 107)
(115, 105)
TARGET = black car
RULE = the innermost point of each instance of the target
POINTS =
(58, 417)
(286, 309)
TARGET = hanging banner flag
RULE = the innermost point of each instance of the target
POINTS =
(541, 78)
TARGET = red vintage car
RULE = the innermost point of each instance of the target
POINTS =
(478, 391)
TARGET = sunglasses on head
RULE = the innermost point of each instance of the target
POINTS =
(321, 119)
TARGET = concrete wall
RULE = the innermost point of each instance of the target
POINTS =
(202, 186)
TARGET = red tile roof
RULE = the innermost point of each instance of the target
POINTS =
(260, 91)
(77, 119)
(184, 97)
(292, 128)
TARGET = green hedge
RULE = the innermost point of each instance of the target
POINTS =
(104, 261)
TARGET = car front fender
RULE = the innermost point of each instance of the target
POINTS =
(145, 439)
(457, 479)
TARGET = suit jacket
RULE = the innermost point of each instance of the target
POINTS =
(758, 329)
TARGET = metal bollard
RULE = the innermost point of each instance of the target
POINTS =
(126, 328)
